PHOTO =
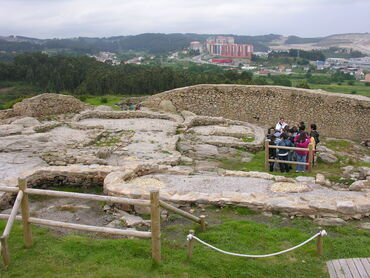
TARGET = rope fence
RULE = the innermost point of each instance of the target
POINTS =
(191, 237)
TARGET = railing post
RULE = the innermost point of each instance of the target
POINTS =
(320, 245)
(156, 225)
(267, 150)
(27, 233)
(310, 157)
(5, 251)
(202, 223)
(190, 244)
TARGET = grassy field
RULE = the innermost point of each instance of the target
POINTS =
(357, 89)
(232, 229)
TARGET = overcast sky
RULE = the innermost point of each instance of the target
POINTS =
(94, 18)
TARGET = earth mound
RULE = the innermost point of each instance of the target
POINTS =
(48, 104)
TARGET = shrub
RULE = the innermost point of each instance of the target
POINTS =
(103, 100)
(82, 97)
(10, 104)
(353, 92)
(351, 82)
(367, 84)
(303, 85)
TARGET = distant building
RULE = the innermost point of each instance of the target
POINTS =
(225, 47)
(367, 77)
(197, 46)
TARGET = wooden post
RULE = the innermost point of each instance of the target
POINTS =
(156, 225)
(320, 245)
(310, 157)
(27, 233)
(5, 251)
(203, 223)
(267, 150)
(190, 245)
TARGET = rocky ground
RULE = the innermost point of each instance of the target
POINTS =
(129, 152)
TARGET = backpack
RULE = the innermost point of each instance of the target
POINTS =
(316, 136)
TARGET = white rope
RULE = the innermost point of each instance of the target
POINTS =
(190, 237)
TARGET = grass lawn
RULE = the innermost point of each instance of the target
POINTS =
(103, 100)
(233, 229)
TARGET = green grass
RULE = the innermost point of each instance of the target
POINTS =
(359, 88)
(81, 256)
(100, 100)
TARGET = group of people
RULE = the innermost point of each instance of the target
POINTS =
(296, 136)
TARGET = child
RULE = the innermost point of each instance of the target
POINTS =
(302, 142)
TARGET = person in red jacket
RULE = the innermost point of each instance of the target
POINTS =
(302, 141)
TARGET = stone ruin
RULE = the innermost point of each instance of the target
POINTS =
(129, 152)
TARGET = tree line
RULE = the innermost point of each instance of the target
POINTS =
(85, 75)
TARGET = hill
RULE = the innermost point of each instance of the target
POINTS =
(154, 43)
(356, 41)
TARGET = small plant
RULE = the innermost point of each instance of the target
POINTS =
(103, 100)
(353, 92)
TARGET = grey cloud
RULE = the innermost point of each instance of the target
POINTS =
(71, 18)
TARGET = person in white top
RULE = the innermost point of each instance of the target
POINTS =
(280, 125)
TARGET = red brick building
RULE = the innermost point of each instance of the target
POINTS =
(225, 47)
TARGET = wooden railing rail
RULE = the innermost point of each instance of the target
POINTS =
(22, 201)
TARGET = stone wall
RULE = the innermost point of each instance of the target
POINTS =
(336, 115)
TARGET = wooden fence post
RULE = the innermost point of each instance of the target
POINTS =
(190, 245)
(156, 225)
(202, 223)
(5, 251)
(310, 157)
(267, 150)
(27, 232)
(320, 245)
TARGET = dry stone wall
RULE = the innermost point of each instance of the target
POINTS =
(337, 115)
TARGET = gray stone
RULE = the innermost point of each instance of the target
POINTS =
(26, 122)
(320, 179)
(328, 158)
(204, 150)
(346, 207)
(167, 105)
(360, 185)
(365, 226)
(330, 221)
(130, 220)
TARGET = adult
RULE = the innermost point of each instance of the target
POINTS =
(284, 153)
(280, 125)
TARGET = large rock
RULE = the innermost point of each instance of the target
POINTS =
(360, 185)
(167, 105)
(204, 150)
(48, 104)
(320, 179)
(328, 158)
(26, 122)
(330, 221)
(346, 207)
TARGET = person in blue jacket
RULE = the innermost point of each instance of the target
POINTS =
(283, 153)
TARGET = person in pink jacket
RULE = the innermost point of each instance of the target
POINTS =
(302, 141)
